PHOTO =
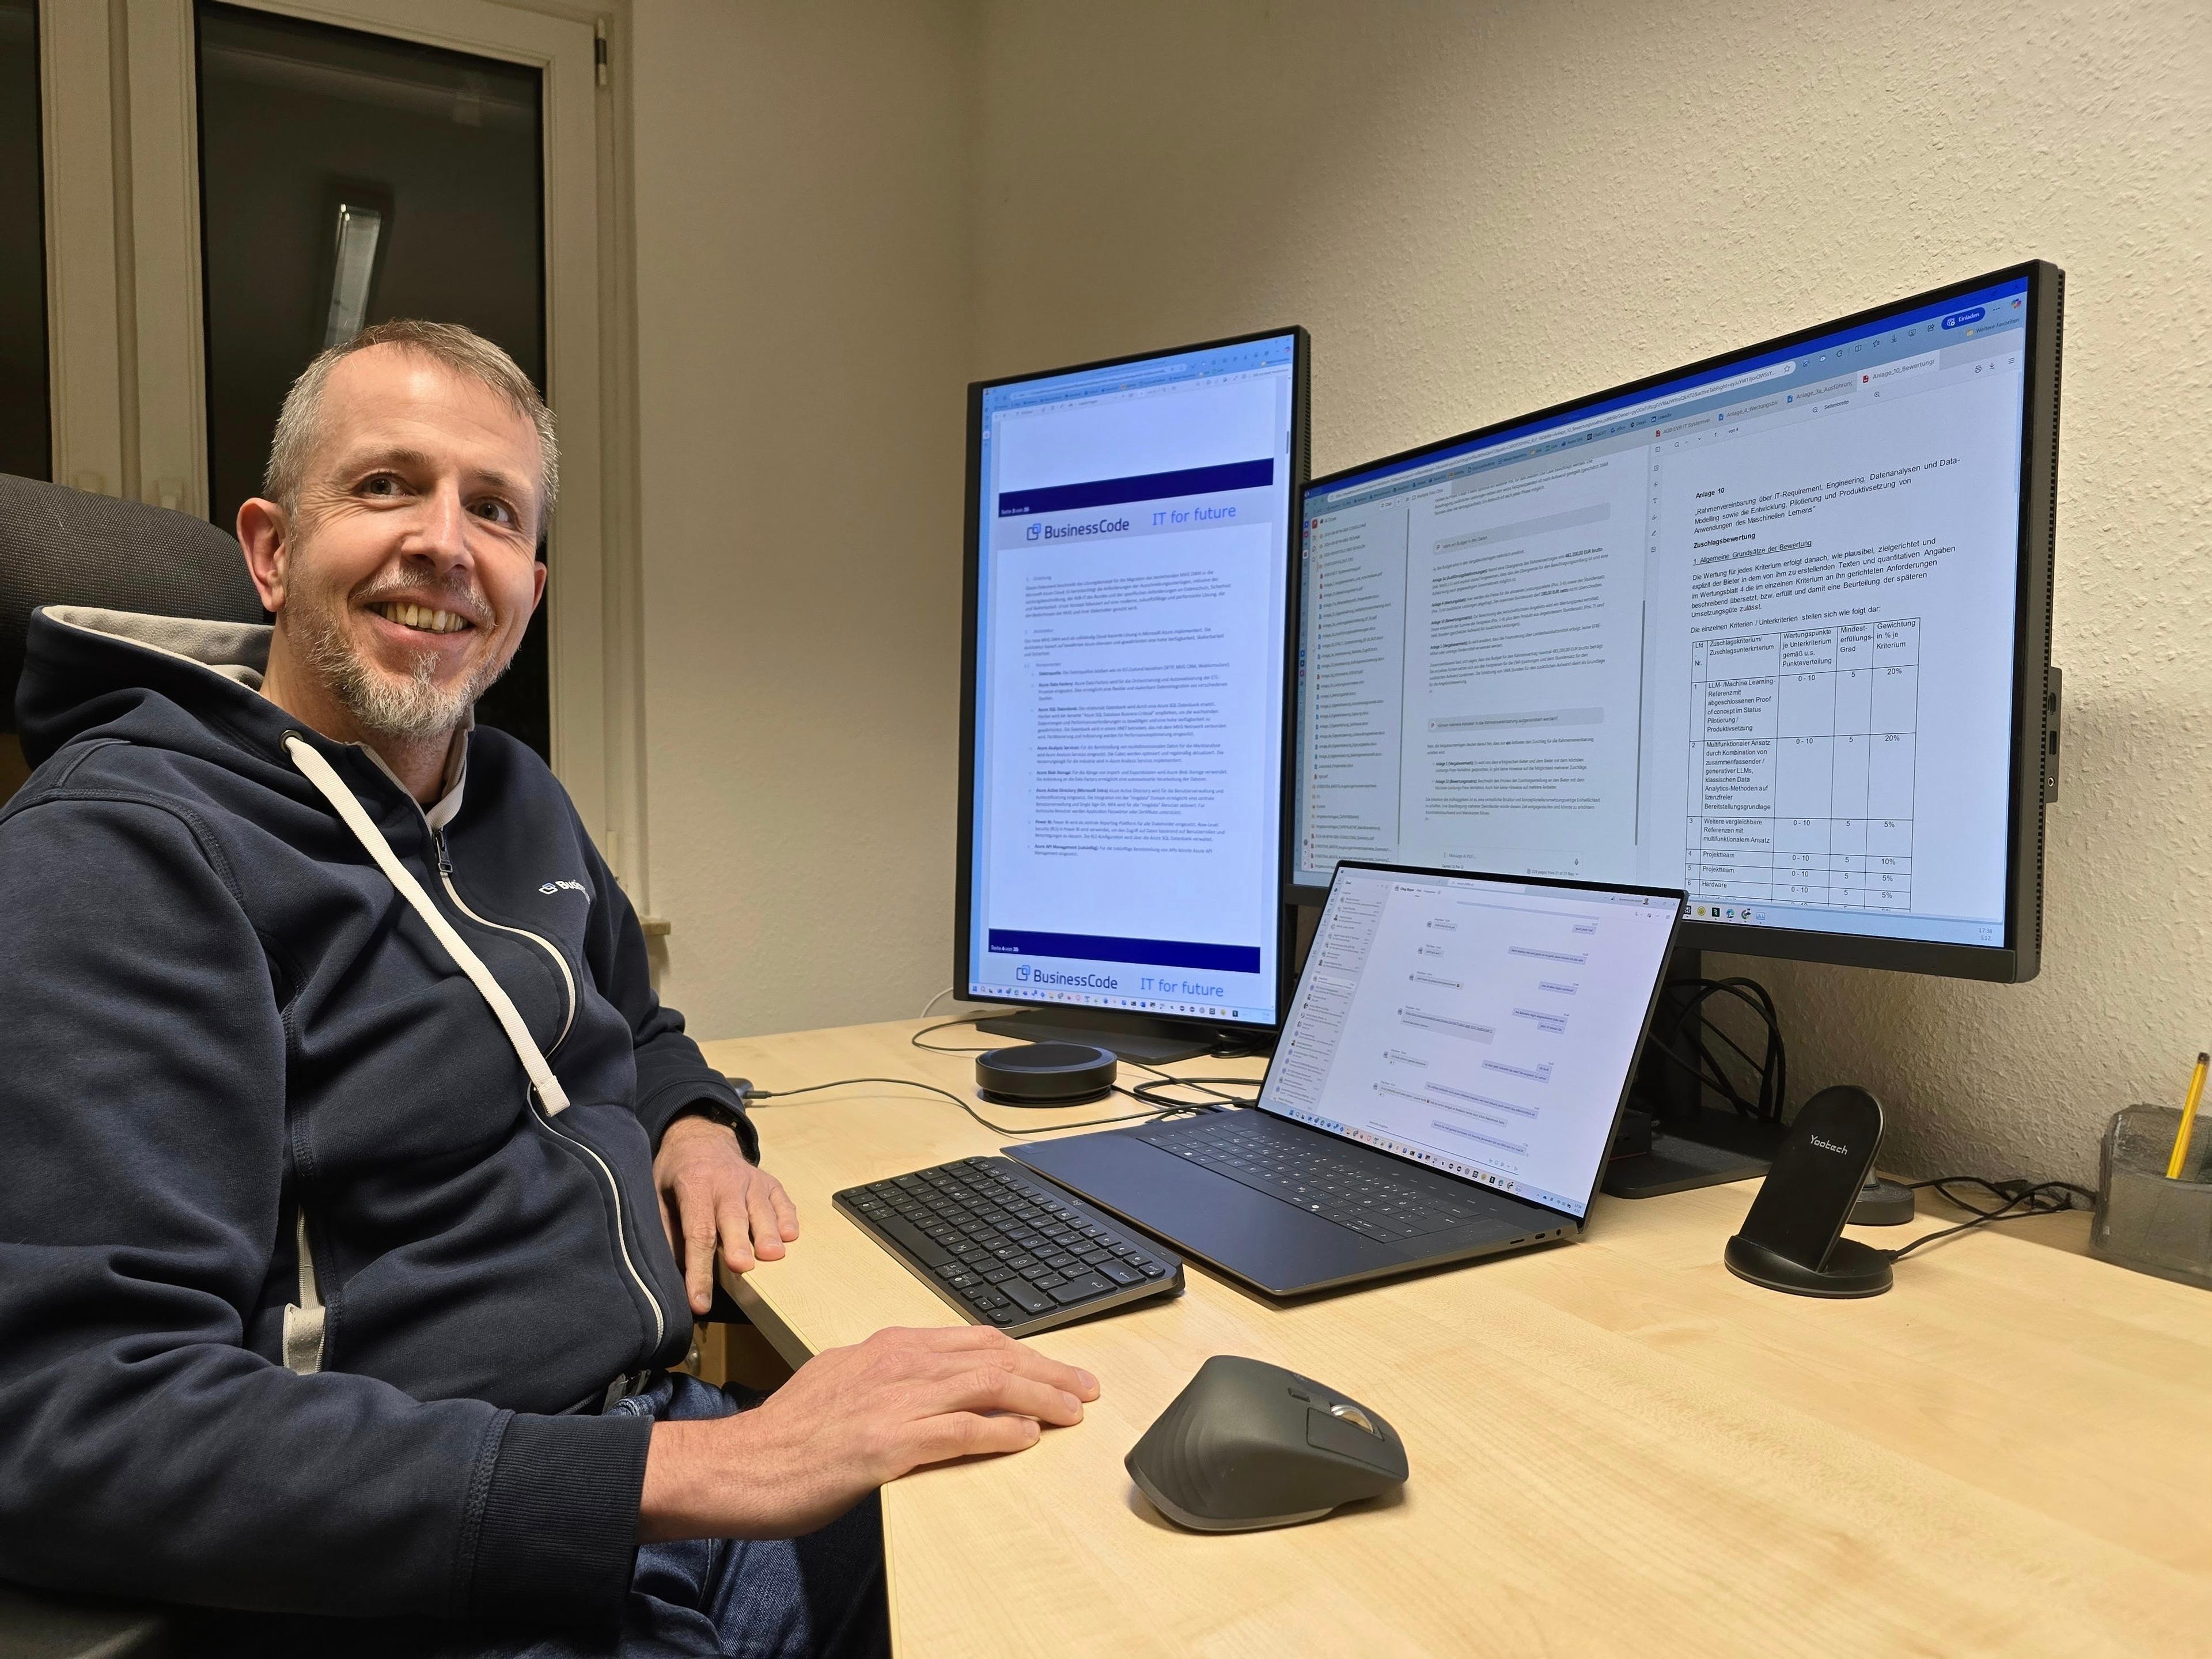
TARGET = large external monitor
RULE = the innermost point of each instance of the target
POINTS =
(1125, 702)
(1774, 628)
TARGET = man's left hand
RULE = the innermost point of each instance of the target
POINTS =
(708, 1191)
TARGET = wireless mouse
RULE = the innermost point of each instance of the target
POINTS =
(1247, 1445)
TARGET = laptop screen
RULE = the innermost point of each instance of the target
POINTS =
(1484, 1027)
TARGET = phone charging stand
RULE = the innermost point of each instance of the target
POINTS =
(1851, 1269)
(1792, 1240)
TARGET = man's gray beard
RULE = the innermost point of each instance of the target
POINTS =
(412, 710)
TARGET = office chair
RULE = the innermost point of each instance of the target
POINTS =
(61, 546)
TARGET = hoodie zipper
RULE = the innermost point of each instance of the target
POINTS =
(543, 1119)
(614, 1187)
(567, 979)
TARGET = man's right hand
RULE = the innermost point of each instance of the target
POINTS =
(849, 1420)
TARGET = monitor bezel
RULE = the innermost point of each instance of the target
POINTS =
(2020, 958)
(971, 591)
(1636, 1052)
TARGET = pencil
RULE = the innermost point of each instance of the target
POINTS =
(2173, 1165)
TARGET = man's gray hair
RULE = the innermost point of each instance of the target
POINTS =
(461, 350)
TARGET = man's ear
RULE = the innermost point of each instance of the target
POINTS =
(537, 595)
(265, 535)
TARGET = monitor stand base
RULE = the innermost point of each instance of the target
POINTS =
(1155, 1041)
(1704, 1151)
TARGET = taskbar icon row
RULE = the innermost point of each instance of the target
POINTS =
(1135, 1004)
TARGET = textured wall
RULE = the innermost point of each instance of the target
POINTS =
(846, 210)
(803, 254)
(1481, 209)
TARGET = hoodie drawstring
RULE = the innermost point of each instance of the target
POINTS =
(303, 1320)
(320, 773)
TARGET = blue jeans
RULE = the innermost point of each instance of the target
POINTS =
(816, 1597)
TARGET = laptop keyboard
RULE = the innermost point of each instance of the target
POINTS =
(1317, 1178)
(1007, 1249)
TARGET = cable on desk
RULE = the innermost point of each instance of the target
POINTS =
(1772, 1066)
(1150, 1093)
(1159, 1078)
(2020, 1199)
(752, 1094)
(916, 1040)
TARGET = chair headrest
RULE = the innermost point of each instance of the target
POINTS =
(61, 546)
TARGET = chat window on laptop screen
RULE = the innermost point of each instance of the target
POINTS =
(1486, 1028)
(1132, 597)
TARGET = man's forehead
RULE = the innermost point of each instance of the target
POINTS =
(388, 397)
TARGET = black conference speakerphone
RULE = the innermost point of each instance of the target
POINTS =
(1007, 1249)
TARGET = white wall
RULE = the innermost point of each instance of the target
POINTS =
(804, 312)
(1481, 210)
(1477, 210)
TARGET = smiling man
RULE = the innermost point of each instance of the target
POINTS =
(339, 1112)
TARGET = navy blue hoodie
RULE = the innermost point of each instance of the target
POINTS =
(221, 1016)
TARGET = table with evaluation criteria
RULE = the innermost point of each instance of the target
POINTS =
(1801, 754)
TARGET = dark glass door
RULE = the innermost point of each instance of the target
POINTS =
(26, 435)
(348, 179)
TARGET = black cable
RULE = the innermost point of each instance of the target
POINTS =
(2032, 1195)
(1773, 1088)
(1159, 1076)
(1773, 1069)
(941, 1025)
(1706, 1068)
(1150, 1094)
(916, 1040)
(995, 1129)
(1147, 1093)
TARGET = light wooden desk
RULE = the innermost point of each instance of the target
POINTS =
(1617, 1448)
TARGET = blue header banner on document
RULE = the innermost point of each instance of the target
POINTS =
(1147, 487)
(1151, 952)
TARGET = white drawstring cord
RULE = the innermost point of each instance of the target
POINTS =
(320, 773)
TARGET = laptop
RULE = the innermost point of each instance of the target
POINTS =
(1447, 1086)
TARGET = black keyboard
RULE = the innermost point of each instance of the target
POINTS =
(1007, 1247)
(1310, 1171)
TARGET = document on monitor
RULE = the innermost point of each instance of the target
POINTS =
(1131, 612)
(1754, 637)
(1484, 1027)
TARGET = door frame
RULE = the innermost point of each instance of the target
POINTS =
(127, 328)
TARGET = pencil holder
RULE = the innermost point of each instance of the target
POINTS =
(2143, 1220)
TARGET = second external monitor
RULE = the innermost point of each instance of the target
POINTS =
(1131, 527)
(1773, 629)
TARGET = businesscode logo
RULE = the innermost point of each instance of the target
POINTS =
(1028, 975)
(1058, 532)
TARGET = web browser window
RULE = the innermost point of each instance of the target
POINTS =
(1133, 594)
(1484, 1027)
(1751, 634)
